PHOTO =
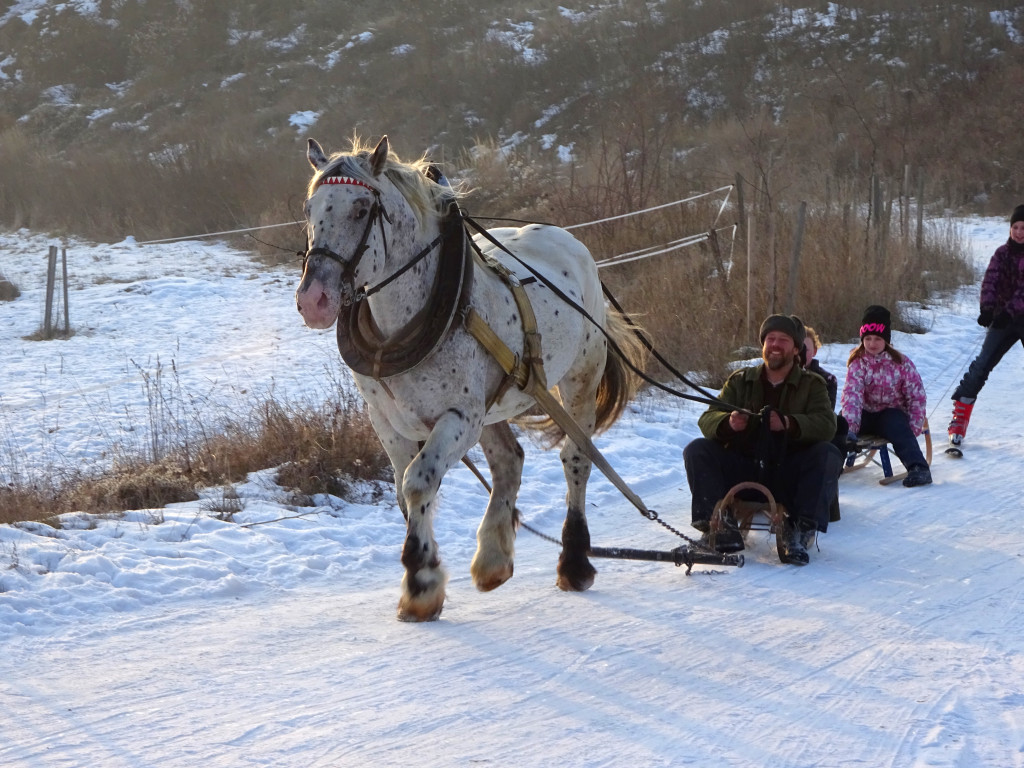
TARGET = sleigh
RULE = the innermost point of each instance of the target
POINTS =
(748, 514)
(874, 449)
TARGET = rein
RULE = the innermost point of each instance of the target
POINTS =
(706, 399)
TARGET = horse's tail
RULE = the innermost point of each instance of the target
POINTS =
(620, 381)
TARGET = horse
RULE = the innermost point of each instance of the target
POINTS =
(390, 260)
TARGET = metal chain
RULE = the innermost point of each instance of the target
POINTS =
(652, 515)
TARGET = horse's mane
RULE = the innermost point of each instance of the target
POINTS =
(410, 178)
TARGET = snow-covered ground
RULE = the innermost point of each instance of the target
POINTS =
(171, 638)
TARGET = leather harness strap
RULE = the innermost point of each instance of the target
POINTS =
(518, 370)
(528, 374)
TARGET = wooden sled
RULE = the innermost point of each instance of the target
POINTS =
(871, 446)
(760, 514)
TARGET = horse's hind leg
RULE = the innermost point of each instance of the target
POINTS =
(493, 563)
(423, 586)
(575, 573)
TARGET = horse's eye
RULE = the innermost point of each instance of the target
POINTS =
(361, 214)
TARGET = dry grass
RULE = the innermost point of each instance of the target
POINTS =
(318, 449)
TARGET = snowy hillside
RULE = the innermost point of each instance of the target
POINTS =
(171, 638)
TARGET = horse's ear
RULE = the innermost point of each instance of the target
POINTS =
(316, 155)
(380, 156)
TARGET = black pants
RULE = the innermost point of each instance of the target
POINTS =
(806, 482)
(997, 343)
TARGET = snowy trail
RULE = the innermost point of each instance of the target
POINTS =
(171, 638)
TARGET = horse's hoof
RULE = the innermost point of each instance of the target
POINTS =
(407, 615)
(576, 582)
(493, 580)
(490, 572)
(419, 608)
(426, 601)
(575, 574)
(570, 585)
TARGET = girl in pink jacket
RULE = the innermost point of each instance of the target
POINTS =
(884, 395)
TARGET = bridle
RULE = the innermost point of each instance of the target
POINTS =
(378, 215)
(364, 347)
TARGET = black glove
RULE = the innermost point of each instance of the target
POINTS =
(1002, 320)
(851, 442)
(985, 318)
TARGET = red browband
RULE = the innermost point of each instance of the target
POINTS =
(345, 180)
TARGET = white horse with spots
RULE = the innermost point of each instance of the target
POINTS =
(432, 390)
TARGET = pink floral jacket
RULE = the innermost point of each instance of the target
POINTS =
(874, 383)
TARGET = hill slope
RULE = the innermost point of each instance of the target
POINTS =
(788, 95)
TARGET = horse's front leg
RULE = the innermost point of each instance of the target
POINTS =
(423, 586)
(400, 450)
(493, 563)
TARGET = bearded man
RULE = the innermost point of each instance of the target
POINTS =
(790, 451)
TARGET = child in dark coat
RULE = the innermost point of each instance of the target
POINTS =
(1002, 313)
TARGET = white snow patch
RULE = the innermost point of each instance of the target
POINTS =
(173, 638)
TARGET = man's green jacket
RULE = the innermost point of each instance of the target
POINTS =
(804, 399)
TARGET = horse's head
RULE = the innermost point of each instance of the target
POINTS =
(345, 228)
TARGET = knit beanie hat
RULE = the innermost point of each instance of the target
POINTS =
(791, 325)
(877, 322)
(1017, 215)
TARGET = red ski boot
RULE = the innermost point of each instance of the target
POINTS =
(962, 408)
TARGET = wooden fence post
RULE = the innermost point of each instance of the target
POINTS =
(750, 262)
(772, 266)
(920, 209)
(740, 205)
(905, 206)
(67, 312)
(51, 274)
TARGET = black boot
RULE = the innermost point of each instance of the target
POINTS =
(789, 540)
(724, 542)
(919, 474)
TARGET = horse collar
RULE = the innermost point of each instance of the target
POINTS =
(368, 352)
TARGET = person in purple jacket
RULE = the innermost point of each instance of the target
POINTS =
(884, 395)
(1002, 313)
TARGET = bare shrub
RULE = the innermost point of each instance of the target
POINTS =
(8, 290)
(226, 506)
(323, 448)
(146, 486)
